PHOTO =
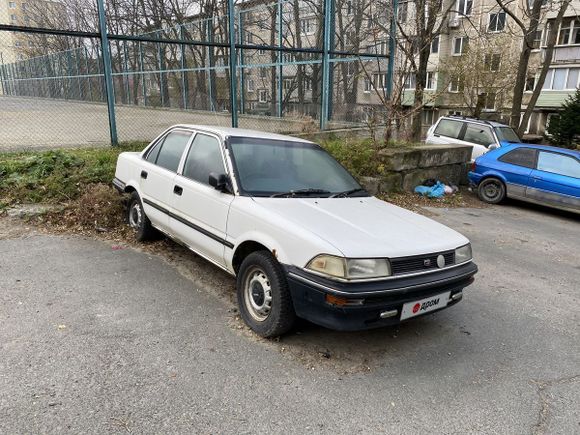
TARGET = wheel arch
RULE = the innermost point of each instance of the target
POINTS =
(253, 244)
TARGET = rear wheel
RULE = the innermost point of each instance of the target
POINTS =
(491, 190)
(138, 220)
(263, 295)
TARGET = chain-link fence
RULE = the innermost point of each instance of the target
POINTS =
(293, 65)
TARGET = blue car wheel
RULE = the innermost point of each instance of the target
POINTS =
(491, 190)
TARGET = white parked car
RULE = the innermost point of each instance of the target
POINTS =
(482, 135)
(296, 229)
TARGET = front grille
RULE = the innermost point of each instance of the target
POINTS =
(420, 263)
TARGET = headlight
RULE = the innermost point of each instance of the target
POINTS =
(463, 254)
(350, 268)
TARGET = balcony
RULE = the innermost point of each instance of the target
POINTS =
(566, 54)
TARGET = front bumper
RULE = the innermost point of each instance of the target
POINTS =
(309, 296)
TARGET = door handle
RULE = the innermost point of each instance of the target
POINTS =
(144, 175)
(436, 135)
(178, 190)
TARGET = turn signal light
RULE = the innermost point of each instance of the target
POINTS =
(473, 167)
(341, 302)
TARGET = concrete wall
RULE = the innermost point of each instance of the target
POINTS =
(408, 167)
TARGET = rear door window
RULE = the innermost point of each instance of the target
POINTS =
(449, 128)
(479, 134)
(558, 164)
(525, 157)
(171, 150)
(205, 156)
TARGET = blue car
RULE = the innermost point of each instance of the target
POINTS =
(536, 173)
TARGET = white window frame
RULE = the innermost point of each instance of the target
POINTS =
(367, 86)
(497, 21)
(464, 12)
(307, 26)
(262, 95)
(11, 5)
(380, 80)
(433, 80)
(438, 40)
(565, 89)
(250, 85)
(461, 46)
(450, 87)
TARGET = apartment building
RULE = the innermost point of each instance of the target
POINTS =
(471, 68)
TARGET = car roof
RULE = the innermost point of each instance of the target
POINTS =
(543, 147)
(225, 132)
(477, 120)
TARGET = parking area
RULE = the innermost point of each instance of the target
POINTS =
(104, 338)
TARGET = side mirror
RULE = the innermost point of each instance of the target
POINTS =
(218, 182)
(492, 146)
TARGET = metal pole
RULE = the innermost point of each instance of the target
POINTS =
(2, 74)
(184, 83)
(233, 62)
(392, 47)
(242, 78)
(108, 73)
(211, 63)
(143, 90)
(280, 59)
(77, 63)
(126, 73)
(161, 54)
(325, 64)
(87, 73)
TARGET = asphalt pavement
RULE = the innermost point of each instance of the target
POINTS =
(102, 338)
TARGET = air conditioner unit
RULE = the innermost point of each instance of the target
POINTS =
(453, 22)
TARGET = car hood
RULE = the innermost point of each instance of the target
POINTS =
(366, 227)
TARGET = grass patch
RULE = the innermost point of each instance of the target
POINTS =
(56, 176)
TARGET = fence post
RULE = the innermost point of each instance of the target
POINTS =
(392, 47)
(233, 62)
(141, 69)
(242, 78)
(211, 63)
(280, 58)
(325, 64)
(184, 83)
(108, 73)
(2, 74)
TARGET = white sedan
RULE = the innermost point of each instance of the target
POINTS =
(296, 229)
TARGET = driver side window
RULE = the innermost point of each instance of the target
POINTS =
(204, 156)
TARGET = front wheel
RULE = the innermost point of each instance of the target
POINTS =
(491, 190)
(263, 295)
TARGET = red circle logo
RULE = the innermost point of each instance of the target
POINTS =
(416, 307)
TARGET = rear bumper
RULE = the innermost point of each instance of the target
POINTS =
(379, 298)
(474, 178)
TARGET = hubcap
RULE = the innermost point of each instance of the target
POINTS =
(135, 216)
(258, 294)
(491, 190)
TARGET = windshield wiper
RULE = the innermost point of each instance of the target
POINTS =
(293, 193)
(348, 193)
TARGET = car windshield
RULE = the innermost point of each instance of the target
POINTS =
(281, 168)
(506, 134)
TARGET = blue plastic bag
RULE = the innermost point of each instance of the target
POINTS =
(436, 191)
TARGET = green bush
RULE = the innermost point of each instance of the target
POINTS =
(565, 127)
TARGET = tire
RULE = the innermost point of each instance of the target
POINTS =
(138, 220)
(491, 190)
(264, 299)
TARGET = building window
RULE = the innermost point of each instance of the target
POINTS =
(380, 81)
(559, 79)
(23, 6)
(249, 38)
(410, 81)
(367, 85)
(263, 96)
(350, 7)
(435, 45)
(428, 116)
(288, 57)
(488, 101)
(530, 83)
(307, 26)
(460, 45)
(13, 18)
(17, 44)
(380, 47)
(491, 62)
(431, 82)
(250, 86)
(261, 51)
(12, 5)
(537, 42)
(350, 69)
(287, 84)
(464, 7)
(456, 84)
(496, 22)
(307, 84)
(569, 32)
(402, 12)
